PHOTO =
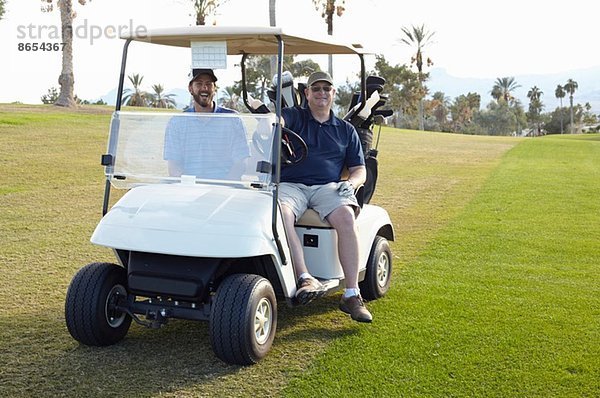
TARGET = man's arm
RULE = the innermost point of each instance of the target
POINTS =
(174, 169)
(238, 169)
(357, 175)
(172, 150)
(240, 152)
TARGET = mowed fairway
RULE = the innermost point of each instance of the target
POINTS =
(495, 292)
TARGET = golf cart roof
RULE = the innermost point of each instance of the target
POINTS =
(246, 40)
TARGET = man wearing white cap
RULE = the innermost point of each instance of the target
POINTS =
(333, 144)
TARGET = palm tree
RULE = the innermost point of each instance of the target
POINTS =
(503, 88)
(560, 94)
(135, 97)
(570, 87)
(418, 36)
(2, 8)
(205, 8)
(440, 104)
(158, 99)
(535, 105)
(230, 98)
(534, 93)
(66, 80)
(328, 8)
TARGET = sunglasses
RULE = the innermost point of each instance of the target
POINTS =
(316, 89)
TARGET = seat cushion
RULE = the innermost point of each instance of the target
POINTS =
(311, 218)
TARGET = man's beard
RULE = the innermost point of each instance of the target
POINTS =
(203, 101)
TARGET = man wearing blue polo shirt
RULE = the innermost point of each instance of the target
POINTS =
(209, 148)
(333, 144)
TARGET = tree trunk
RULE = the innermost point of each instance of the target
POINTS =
(561, 116)
(66, 79)
(421, 116)
(571, 102)
(272, 22)
(329, 14)
(200, 19)
(421, 112)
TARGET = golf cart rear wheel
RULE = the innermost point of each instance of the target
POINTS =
(379, 270)
(91, 305)
(243, 319)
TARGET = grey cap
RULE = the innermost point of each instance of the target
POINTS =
(319, 77)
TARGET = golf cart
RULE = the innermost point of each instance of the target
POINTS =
(211, 245)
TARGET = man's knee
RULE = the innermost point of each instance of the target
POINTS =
(342, 217)
(288, 213)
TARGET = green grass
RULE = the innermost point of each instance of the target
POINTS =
(505, 301)
(495, 289)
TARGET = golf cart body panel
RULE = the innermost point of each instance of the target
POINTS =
(320, 241)
(189, 220)
(219, 215)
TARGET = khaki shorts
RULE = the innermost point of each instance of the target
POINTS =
(322, 198)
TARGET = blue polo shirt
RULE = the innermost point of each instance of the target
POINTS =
(206, 147)
(218, 109)
(331, 146)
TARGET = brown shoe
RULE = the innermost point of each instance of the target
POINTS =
(354, 306)
(308, 290)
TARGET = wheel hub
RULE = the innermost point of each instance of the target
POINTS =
(262, 320)
(114, 317)
(383, 269)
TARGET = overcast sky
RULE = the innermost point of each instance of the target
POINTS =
(473, 38)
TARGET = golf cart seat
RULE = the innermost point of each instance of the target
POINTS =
(311, 219)
(290, 95)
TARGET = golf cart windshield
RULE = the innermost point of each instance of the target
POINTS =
(159, 148)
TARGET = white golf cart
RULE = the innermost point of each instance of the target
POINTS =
(211, 246)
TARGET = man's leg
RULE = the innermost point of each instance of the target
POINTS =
(342, 219)
(293, 240)
(308, 287)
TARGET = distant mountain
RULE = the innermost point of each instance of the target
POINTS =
(588, 81)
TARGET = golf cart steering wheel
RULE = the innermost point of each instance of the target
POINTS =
(293, 147)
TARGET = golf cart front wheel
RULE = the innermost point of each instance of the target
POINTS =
(91, 305)
(243, 319)
(379, 270)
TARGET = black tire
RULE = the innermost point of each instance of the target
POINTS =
(243, 319)
(379, 270)
(89, 306)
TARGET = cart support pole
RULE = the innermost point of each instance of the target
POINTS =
(277, 151)
(363, 84)
(113, 134)
(122, 76)
(244, 88)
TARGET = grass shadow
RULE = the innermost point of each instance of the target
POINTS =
(177, 357)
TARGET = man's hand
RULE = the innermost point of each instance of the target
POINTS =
(345, 188)
(258, 106)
